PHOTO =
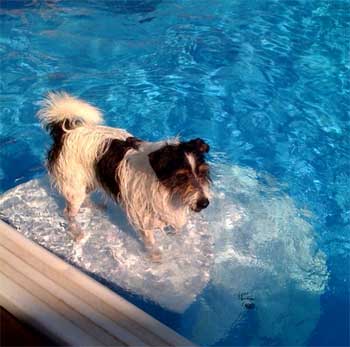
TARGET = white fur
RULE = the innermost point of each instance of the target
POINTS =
(57, 107)
(205, 188)
(147, 203)
(74, 170)
(192, 162)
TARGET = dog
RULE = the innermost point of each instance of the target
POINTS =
(157, 183)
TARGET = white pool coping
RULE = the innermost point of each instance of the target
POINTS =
(67, 305)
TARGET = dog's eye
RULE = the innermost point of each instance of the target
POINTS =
(203, 169)
(181, 176)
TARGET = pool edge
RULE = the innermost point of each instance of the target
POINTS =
(68, 305)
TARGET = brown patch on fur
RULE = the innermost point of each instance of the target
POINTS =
(203, 169)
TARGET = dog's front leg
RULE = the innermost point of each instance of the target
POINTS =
(148, 238)
(149, 241)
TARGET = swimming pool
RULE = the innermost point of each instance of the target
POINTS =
(267, 84)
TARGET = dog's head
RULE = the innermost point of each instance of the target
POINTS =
(182, 169)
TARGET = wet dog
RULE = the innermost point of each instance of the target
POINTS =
(157, 183)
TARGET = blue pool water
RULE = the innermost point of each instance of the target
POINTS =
(267, 83)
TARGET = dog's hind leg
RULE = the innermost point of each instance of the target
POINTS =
(73, 204)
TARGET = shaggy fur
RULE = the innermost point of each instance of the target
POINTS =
(157, 183)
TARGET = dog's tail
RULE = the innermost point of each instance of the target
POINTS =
(67, 112)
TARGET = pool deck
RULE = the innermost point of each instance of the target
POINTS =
(68, 306)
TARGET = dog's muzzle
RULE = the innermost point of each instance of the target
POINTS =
(201, 204)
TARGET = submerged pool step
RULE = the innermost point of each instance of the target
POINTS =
(67, 305)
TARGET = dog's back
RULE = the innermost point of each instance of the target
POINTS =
(78, 142)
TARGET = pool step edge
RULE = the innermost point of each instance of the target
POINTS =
(33, 281)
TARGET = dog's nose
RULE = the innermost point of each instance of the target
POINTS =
(202, 203)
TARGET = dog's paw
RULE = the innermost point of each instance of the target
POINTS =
(75, 231)
(155, 255)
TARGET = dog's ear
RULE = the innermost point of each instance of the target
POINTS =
(197, 146)
(161, 162)
(133, 142)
